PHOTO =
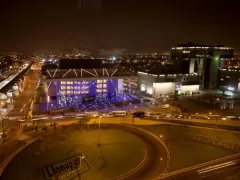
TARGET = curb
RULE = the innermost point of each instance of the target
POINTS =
(14, 154)
(141, 164)
(134, 169)
(161, 142)
(208, 163)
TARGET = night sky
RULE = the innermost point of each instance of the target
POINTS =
(137, 25)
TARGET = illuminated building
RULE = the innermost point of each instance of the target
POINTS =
(163, 85)
(192, 58)
(194, 67)
(96, 87)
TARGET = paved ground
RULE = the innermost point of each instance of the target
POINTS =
(119, 153)
(185, 152)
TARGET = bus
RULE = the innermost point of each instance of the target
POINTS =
(119, 113)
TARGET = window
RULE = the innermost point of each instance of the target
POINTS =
(99, 86)
(63, 87)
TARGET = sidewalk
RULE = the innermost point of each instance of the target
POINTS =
(231, 123)
(125, 120)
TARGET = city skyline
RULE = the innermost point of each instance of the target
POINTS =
(48, 26)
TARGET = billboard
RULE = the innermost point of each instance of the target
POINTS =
(66, 169)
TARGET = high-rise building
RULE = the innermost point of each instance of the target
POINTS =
(201, 59)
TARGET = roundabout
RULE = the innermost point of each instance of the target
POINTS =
(114, 152)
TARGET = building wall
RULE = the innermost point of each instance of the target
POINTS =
(120, 86)
(162, 89)
(228, 78)
(190, 88)
(165, 84)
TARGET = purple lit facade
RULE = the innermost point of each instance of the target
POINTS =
(85, 94)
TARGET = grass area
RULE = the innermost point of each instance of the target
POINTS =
(185, 152)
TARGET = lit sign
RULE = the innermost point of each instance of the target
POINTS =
(66, 169)
(213, 142)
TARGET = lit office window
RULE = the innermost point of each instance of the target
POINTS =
(63, 87)
(69, 92)
(99, 86)
(104, 85)
(63, 92)
(63, 82)
(85, 82)
(99, 81)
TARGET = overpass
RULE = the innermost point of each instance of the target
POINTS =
(8, 87)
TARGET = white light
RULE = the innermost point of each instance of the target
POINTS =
(230, 88)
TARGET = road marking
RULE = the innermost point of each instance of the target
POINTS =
(21, 110)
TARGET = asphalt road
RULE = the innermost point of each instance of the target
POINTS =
(229, 170)
(22, 102)
(157, 156)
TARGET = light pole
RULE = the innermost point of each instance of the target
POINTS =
(3, 133)
(124, 102)
(81, 157)
(215, 105)
(99, 128)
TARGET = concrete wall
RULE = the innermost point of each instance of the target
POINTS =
(120, 86)
(191, 88)
(162, 89)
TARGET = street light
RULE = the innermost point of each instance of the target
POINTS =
(215, 105)
(81, 157)
(99, 127)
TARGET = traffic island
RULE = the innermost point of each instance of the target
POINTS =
(119, 153)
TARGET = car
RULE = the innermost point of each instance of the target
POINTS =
(168, 115)
(165, 106)
(180, 116)
(107, 115)
(139, 114)
(92, 114)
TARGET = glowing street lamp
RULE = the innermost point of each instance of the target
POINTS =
(99, 127)
(215, 105)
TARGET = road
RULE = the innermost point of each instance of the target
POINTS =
(229, 170)
(157, 156)
(227, 125)
(22, 102)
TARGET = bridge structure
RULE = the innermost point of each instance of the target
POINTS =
(11, 87)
